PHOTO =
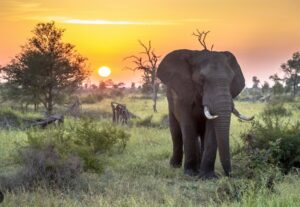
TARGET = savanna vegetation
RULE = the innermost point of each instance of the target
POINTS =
(90, 161)
(139, 174)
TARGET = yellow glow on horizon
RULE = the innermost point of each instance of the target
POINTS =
(99, 22)
(260, 35)
(104, 71)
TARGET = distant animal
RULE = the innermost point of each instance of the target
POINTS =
(201, 86)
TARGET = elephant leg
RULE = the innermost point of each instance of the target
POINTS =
(207, 169)
(176, 159)
(191, 148)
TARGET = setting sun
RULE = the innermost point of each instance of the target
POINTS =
(104, 71)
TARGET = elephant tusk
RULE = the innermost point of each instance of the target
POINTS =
(241, 116)
(208, 114)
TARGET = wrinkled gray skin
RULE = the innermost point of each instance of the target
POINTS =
(195, 79)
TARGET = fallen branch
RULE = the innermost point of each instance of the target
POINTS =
(58, 119)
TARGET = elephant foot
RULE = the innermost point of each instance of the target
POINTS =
(208, 175)
(191, 172)
(175, 163)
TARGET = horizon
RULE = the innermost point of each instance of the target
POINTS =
(261, 35)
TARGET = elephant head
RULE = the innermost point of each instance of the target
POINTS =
(216, 78)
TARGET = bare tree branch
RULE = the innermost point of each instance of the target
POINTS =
(148, 67)
(201, 36)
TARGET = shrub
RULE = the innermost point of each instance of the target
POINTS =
(164, 122)
(92, 98)
(9, 119)
(296, 106)
(116, 93)
(95, 114)
(273, 140)
(101, 139)
(57, 156)
(48, 166)
(147, 122)
(230, 190)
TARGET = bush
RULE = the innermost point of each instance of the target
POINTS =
(272, 141)
(101, 139)
(57, 156)
(116, 93)
(164, 122)
(147, 122)
(9, 119)
(238, 190)
(48, 166)
(92, 98)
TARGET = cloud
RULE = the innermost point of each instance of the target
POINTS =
(112, 22)
(100, 22)
(67, 20)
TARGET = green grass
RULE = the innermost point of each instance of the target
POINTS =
(141, 176)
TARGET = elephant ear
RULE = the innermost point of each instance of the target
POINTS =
(238, 82)
(176, 73)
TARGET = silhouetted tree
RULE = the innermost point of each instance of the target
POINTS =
(292, 73)
(93, 86)
(119, 85)
(277, 88)
(147, 64)
(102, 85)
(133, 85)
(46, 69)
(265, 87)
(255, 81)
(109, 83)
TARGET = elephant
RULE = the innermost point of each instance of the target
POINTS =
(201, 86)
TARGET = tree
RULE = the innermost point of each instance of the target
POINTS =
(93, 86)
(277, 88)
(132, 85)
(109, 83)
(292, 73)
(265, 87)
(255, 81)
(46, 69)
(147, 64)
(118, 85)
(102, 85)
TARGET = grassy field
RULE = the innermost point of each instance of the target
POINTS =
(141, 176)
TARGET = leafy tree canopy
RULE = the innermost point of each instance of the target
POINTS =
(46, 69)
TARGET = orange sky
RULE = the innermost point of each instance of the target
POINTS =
(261, 33)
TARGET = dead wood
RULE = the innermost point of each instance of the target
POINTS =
(58, 119)
(121, 113)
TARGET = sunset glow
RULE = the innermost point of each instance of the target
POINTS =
(104, 71)
(262, 35)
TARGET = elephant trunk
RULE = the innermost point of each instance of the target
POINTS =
(222, 125)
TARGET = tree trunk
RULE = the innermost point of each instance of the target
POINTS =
(154, 88)
(294, 89)
(50, 104)
(154, 96)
